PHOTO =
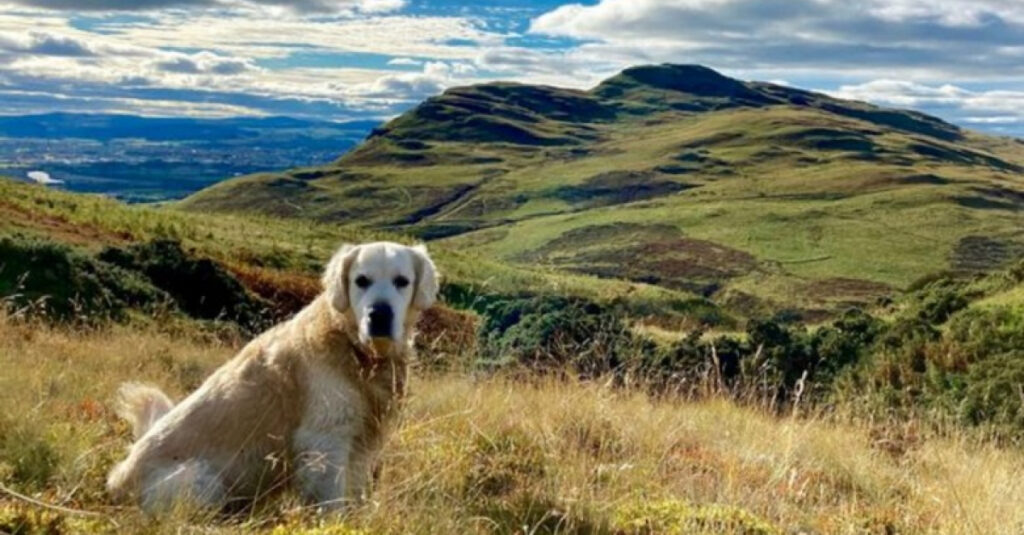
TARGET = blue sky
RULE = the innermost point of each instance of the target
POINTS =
(351, 59)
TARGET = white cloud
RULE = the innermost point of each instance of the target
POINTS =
(299, 6)
(404, 61)
(21, 102)
(257, 37)
(993, 107)
(435, 77)
(951, 13)
(246, 56)
(44, 43)
(994, 120)
(903, 93)
(331, 6)
(930, 39)
(204, 63)
(139, 56)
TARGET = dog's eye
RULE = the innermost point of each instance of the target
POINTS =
(363, 282)
(401, 282)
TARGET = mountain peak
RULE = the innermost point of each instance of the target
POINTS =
(690, 82)
(532, 115)
(696, 79)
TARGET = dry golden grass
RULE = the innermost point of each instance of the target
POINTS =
(496, 455)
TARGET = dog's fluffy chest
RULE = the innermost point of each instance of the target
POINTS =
(332, 402)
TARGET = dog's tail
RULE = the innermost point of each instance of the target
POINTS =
(141, 406)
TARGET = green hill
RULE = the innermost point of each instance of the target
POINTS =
(756, 195)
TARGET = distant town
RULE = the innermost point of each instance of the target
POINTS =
(182, 159)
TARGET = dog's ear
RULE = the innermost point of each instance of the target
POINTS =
(426, 279)
(335, 279)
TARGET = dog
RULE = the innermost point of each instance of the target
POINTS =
(307, 402)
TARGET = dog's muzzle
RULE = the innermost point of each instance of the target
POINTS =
(381, 320)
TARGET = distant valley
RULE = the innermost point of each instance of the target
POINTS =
(140, 159)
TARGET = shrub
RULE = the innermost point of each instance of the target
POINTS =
(288, 292)
(446, 338)
(842, 344)
(970, 373)
(988, 331)
(938, 299)
(57, 282)
(682, 366)
(907, 332)
(782, 357)
(54, 281)
(778, 355)
(700, 310)
(994, 393)
(548, 332)
(688, 365)
(200, 287)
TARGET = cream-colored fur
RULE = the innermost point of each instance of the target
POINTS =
(309, 400)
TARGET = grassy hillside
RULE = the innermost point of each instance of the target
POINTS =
(946, 350)
(495, 455)
(274, 255)
(759, 196)
(285, 245)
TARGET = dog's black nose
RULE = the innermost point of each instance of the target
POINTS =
(381, 317)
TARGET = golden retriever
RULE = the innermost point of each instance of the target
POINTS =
(309, 401)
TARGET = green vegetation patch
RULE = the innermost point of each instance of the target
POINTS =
(650, 253)
(200, 287)
(673, 517)
(553, 332)
(27, 457)
(617, 187)
(45, 278)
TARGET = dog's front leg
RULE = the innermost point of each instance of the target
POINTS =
(362, 474)
(322, 468)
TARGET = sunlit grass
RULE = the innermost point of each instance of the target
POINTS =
(500, 455)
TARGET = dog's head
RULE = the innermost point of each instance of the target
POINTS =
(381, 286)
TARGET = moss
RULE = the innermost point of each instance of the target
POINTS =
(669, 517)
(23, 521)
(324, 529)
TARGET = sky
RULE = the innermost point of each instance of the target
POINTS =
(962, 60)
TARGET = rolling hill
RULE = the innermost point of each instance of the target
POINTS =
(756, 195)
